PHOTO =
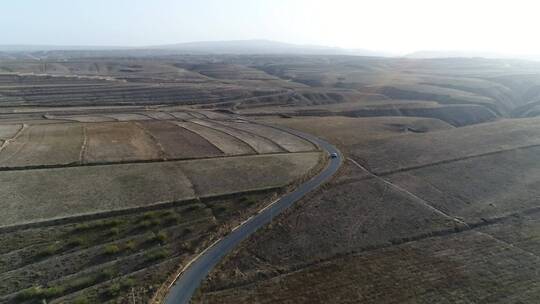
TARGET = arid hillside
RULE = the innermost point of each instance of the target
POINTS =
(439, 216)
(116, 172)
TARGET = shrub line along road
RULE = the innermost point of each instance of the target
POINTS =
(182, 289)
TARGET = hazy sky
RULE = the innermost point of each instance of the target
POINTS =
(386, 25)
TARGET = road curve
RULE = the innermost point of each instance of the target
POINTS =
(184, 287)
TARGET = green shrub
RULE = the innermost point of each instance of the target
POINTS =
(100, 224)
(113, 290)
(81, 300)
(145, 224)
(107, 274)
(161, 237)
(37, 292)
(81, 227)
(130, 245)
(83, 282)
(156, 254)
(171, 219)
(166, 213)
(220, 210)
(193, 208)
(76, 242)
(52, 292)
(112, 249)
(48, 251)
(148, 215)
(29, 293)
(127, 283)
(114, 231)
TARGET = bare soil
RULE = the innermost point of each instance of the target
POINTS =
(178, 142)
(44, 145)
(226, 143)
(260, 144)
(123, 141)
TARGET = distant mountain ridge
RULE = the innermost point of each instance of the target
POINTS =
(468, 54)
(263, 47)
(241, 47)
(230, 47)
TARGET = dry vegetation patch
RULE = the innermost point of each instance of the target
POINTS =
(259, 144)
(346, 131)
(287, 141)
(44, 145)
(113, 259)
(466, 267)
(33, 195)
(229, 175)
(178, 142)
(9, 131)
(43, 194)
(481, 188)
(423, 149)
(123, 141)
(223, 141)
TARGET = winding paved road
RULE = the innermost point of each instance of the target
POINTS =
(184, 287)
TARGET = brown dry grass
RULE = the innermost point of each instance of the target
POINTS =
(44, 145)
(118, 142)
(259, 144)
(346, 131)
(178, 142)
(43, 194)
(226, 143)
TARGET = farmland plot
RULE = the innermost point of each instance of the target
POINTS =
(158, 115)
(49, 144)
(229, 175)
(120, 141)
(84, 262)
(287, 141)
(128, 116)
(178, 142)
(82, 118)
(33, 195)
(223, 141)
(467, 267)
(182, 115)
(258, 143)
(423, 149)
(9, 131)
(484, 187)
(346, 132)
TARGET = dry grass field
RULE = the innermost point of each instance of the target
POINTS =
(118, 142)
(258, 143)
(347, 131)
(226, 143)
(39, 145)
(177, 142)
(113, 258)
(143, 162)
(450, 218)
(44, 194)
(469, 267)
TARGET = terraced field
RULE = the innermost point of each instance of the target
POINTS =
(113, 258)
(440, 216)
(44, 194)
(126, 137)
(39, 145)
(106, 205)
(116, 172)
